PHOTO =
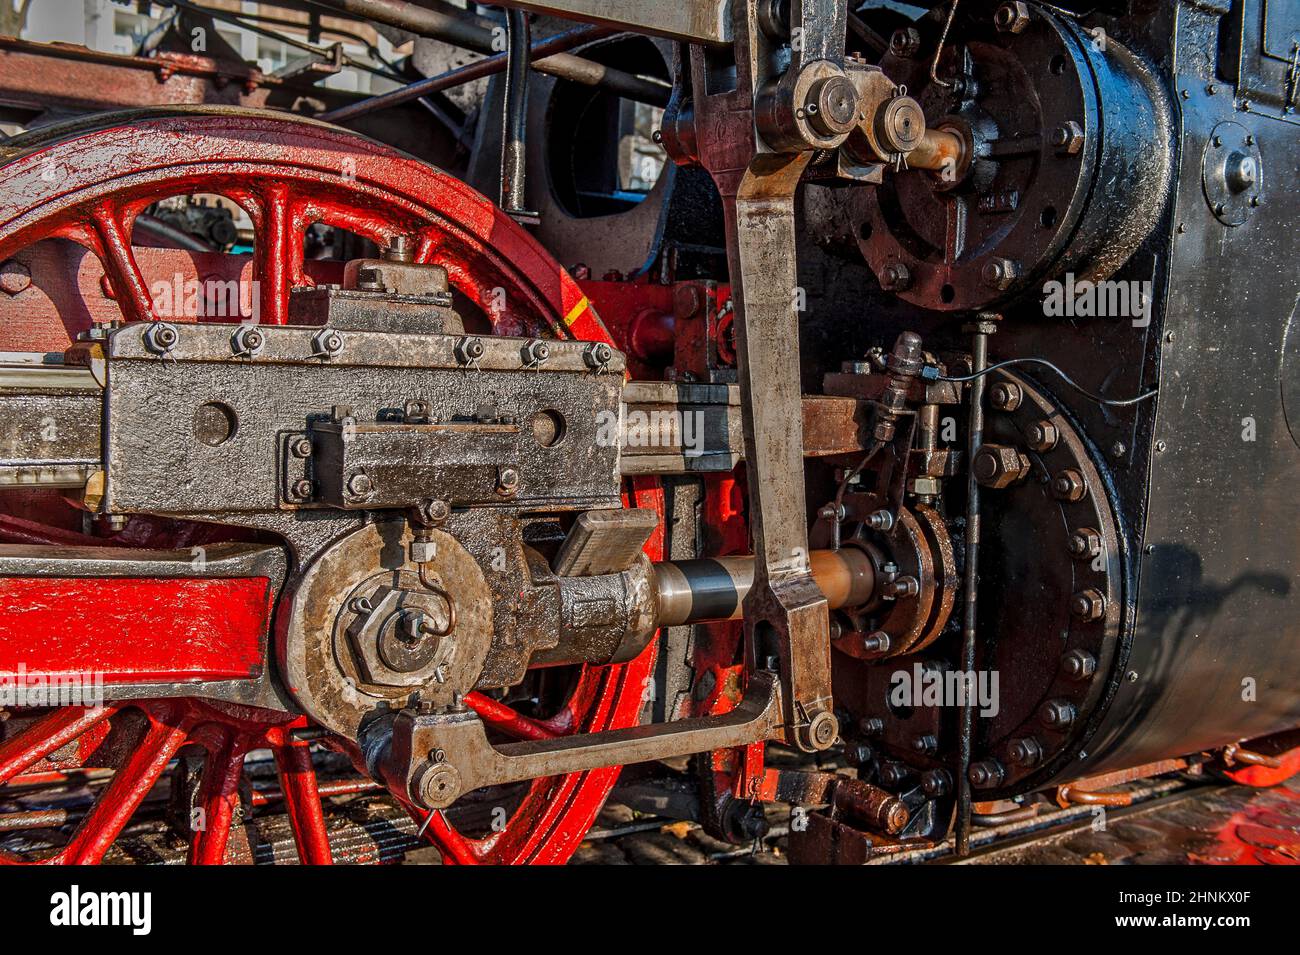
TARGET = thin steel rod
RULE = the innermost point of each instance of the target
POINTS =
(515, 126)
(462, 28)
(971, 586)
(463, 74)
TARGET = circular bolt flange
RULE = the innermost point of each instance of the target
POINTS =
(1069, 485)
(1088, 604)
(1078, 665)
(1006, 396)
(986, 774)
(160, 337)
(327, 343)
(1042, 436)
(1056, 714)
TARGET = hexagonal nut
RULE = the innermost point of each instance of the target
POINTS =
(998, 466)
(1056, 714)
(1089, 604)
(999, 273)
(1078, 665)
(1006, 395)
(905, 42)
(365, 632)
(1068, 138)
(1011, 17)
(1024, 751)
(422, 552)
(895, 277)
(14, 277)
(1085, 543)
(1069, 485)
(1042, 436)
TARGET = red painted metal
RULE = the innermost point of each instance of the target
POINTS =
(144, 630)
(88, 188)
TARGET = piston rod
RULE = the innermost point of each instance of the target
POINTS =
(714, 588)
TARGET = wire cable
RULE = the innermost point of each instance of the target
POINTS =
(1114, 402)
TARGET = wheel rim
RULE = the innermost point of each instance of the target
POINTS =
(87, 182)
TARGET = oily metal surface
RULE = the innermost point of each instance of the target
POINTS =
(1217, 642)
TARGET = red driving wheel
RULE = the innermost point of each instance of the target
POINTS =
(87, 182)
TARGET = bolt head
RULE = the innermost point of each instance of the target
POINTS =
(1024, 752)
(936, 783)
(360, 485)
(1006, 396)
(302, 448)
(1085, 542)
(1042, 436)
(1068, 138)
(1011, 18)
(507, 481)
(1078, 665)
(905, 43)
(986, 774)
(895, 277)
(1056, 714)
(1088, 604)
(1069, 485)
(435, 511)
(303, 488)
(999, 273)
(999, 466)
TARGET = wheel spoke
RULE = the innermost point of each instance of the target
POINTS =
(218, 798)
(278, 253)
(131, 783)
(502, 717)
(302, 801)
(46, 735)
(123, 270)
